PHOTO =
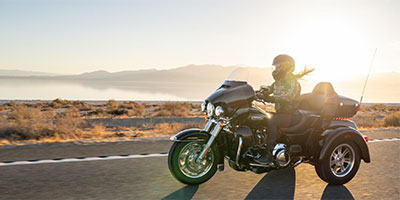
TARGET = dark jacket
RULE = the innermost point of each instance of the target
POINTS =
(285, 93)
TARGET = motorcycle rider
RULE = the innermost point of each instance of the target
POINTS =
(285, 90)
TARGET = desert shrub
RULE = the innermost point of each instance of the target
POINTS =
(26, 123)
(83, 106)
(11, 104)
(380, 108)
(173, 110)
(134, 109)
(62, 101)
(367, 121)
(22, 112)
(98, 131)
(392, 119)
(69, 126)
(25, 130)
(97, 112)
(38, 105)
(127, 105)
(77, 102)
(117, 112)
(55, 105)
(138, 110)
(169, 128)
(112, 104)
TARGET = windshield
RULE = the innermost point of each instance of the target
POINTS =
(254, 76)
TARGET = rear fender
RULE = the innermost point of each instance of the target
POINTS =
(344, 133)
(198, 135)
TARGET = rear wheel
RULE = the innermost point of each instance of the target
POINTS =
(318, 169)
(340, 164)
(185, 166)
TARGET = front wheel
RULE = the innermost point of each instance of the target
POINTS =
(185, 166)
(340, 164)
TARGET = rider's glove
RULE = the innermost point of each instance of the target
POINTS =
(260, 95)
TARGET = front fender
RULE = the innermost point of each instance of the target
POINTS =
(197, 135)
(347, 133)
(191, 135)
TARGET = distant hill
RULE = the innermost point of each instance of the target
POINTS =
(190, 73)
(200, 80)
(7, 72)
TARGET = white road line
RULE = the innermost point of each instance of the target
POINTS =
(36, 162)
(384, 140)
(80, 159)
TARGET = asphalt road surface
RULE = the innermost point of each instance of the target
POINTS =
(148, 177)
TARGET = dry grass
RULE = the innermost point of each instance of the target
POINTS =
(162, 129)
(26, 123)
(172, 109)
(378, 115)
(392, 119)
(29, 123)
(111, 108)
(367, 121)
(62, 120)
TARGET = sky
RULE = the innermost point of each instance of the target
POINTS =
(337, 37)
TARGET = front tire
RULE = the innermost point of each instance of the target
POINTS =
(340, 164)
(184, 166)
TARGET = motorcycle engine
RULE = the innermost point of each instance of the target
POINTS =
(280, 156)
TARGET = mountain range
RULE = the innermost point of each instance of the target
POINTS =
(205, 78)
(10, 72)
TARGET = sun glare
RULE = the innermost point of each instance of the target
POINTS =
(335, 48)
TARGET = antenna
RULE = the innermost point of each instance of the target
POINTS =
(369, 71)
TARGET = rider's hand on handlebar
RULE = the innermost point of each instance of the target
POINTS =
(259, 95)
(265, 89)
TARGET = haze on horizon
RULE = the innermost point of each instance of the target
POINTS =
(71, 37)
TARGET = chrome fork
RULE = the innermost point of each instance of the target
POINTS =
(208, 125)
(214, 134)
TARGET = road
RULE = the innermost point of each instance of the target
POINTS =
(149, 177)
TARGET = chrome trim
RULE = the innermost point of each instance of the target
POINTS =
(208, 125)
(188, 164)
(238, 151)
(298, 162)
(342, 160)
(204, 107)
(260, 165)
(219, 111)
(278, 147)
(173, 138)
(214, 134)
(220, 167)
(210, 110)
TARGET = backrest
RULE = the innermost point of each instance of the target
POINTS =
(321, 98)
(324, 88)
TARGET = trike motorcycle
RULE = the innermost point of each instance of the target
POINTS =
(320, 134)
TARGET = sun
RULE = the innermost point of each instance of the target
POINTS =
(334, 47)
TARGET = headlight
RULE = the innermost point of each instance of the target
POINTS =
(219, 111)
(203, 106)
(210, 109)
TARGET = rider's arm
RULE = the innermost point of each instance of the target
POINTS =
(267, 94)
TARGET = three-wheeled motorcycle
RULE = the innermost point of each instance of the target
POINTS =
(320, 134)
